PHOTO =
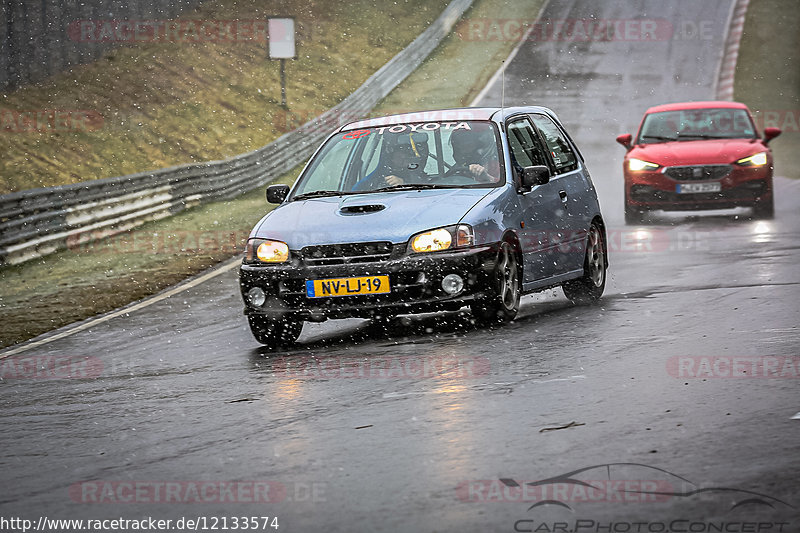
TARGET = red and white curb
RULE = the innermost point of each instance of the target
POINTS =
(727, 71)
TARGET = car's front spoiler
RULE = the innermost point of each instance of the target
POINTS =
(746, 194)
(415, 281)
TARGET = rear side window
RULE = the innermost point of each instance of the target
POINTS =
(558, 146)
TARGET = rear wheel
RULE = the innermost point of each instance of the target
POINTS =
(764, 209)
(274, 332)
(502, 301)
(589, 287)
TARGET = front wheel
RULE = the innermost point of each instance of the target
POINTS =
(765, 209)
(588, 288)
(502, 301)
(274, 332)
(633, 215)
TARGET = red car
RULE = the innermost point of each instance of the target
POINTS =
(698, 155)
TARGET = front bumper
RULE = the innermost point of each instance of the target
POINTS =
(415, 282)
(742, 187)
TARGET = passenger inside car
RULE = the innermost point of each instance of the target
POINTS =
(475, 154)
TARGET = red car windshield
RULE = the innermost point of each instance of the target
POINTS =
(696, 124)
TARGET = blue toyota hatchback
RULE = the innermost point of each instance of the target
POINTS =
(422, 212)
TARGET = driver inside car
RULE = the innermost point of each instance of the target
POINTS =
(403, 161)
(475, 154)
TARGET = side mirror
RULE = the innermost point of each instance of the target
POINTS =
(276, 194)
(625, 140)
(771, 133)
(535, 175)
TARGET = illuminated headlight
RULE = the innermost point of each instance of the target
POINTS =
(638, 164)
(267, 251)
(756, 160)
(440, 239)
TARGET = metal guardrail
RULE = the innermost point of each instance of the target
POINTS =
(37, 222)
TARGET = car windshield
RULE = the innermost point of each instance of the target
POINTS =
(696, 124)
(457, 154)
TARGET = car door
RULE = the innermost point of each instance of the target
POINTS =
(571, 183)
(537, 207)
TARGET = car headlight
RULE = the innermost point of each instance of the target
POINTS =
(266, 251)
(439, 239)
(638, 164)
(755, 160)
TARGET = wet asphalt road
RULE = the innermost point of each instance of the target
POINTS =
(183, 394)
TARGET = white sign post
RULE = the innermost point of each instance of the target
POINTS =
(281, 46)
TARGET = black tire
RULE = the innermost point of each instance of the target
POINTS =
(633, 215)
(589, 288)
(503, 293)
(274, 333)
(764, 210)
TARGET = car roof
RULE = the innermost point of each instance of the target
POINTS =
(495, 114)
(696, 105)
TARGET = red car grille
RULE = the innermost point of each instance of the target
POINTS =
(698, 172)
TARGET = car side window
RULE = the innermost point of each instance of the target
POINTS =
(564, 158)
(525, 149)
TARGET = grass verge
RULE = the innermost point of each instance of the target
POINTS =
(768, 76)
(162, 104)
(62, 288)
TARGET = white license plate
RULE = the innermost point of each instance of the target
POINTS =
(686, 188)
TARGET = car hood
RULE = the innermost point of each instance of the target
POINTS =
(706, 152)
(389, 216)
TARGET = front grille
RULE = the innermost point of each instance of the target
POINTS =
(698, 172)
(342, 254)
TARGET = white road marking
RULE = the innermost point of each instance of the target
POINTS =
(508, 60)
(224, 267)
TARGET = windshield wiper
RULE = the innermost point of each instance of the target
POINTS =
(704, 136)
(319, 194)
(414, 186)
(659, 137)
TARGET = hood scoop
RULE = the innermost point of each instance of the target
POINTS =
(361, 209)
